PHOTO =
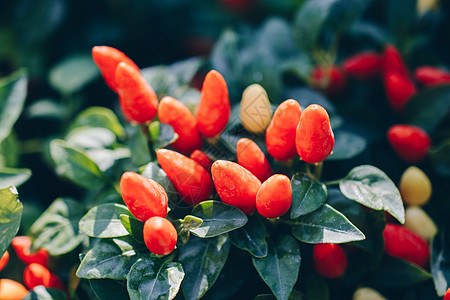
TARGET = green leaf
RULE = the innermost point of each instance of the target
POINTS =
(103, 221)
(325, 225)
(185, 70)
(440, 262)
(184, 227)
(106, 158)
(162, 134)
(138, 144)
(251, 237)
(98, 117)
(46, 109)
(371, 187)
(202, 260)
(347, 145)
(394, 273)
(73, 73)
(440, 157)
(309, 22)
(90, 138)
(161, 79)
(218, 218)
(280, 268)
(308, 195)
(13, 91)
(428, 108)
(75, 165)
(42, 293)
(57, 228)
(152, 171)
(16, 177)
(346, 13)
(150, 280)
(107, 289)
(133, 226)
(110, 258)
(10, 216)
(9, 151)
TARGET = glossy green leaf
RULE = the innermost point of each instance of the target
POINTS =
(161, 79)
(428, 108)
(218, 218)
(202, 260)
(185, 70)
(280, 268)
(162, 134)
(371, 187)
(347, 145)
(133, 226)
(325, 225)
(307, 195)
(73, 73)
(13, 91)
(153, 171)
(440, 157)
(111, 258)
(98, 117)
(46, 109)
(9, 151)
(150, 279)
(75, 165)
(440, 262)
(251, 237)
(42, 293)
(103, 221)
(57, 228)
(10, 216)
(184, 227)
(394, 273)
(90, 138)
(107, 289)
(138, 144)
(16, 177)
(309, 22)
(107, 158)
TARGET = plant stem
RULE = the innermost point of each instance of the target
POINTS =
(318, 171)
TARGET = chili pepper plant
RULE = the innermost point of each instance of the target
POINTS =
(302, 159)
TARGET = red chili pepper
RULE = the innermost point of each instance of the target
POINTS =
(4, 260)
(192, 182)
(329, 260)
(160, 236)
(213, 110)
(235, 185)
(138, 101)
(447, 295)
(402, 243)
(251, 157)
(280, 134)
(430, 76)
(330, 80)
(107, 58)
(399, 90)
(12, 290)
(411, 143)
(203, 159)
(144, 197)
(393, 61)
(315, 138)
(22, 245)
(363, 65)
(274, 197)
(36, 274)
(174, 113)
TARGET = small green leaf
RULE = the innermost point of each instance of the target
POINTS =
(73, 73)
(251, 237)
(107, 289)
(76, 165)
(57, 228)
(133, 226)
(202, 260)
(46, 109)
(280, 268)
(16, 177)
(152, 171)
(162, 134)
(150, 279)
(138, 144)
(347, 145)
(371, 187)
(307, 195)
(325, 225)
(218, 218)
(42, 293)
(440, 262)
(9, 151)
(185, 70)
(10, 216)
(13, 91)
(111, 258)
(103, 221)
(394, 272)
(427, 109)
(440, 157)
(184, 227)
(98, 117)
(90, 138)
